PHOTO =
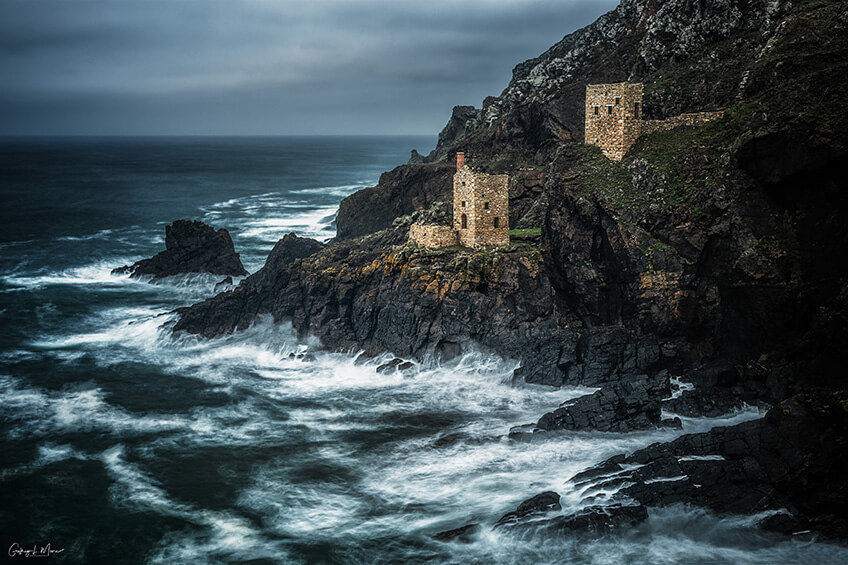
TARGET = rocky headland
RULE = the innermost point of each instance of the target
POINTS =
(712, 253)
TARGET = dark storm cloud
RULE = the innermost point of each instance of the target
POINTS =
(263, 67)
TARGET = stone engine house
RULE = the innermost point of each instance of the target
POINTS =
(480, 212)
(614, 118)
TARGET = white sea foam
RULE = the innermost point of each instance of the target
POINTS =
(306, 224)
(223, 533)
(351, 452)
(98, 273)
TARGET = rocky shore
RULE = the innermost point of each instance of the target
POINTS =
(714, 253)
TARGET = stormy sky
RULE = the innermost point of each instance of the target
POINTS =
(262, 67)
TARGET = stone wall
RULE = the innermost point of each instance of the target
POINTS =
(613, 116)
(693, 119)
(433, 236)
(483, 201)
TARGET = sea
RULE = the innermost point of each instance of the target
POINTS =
(121, 442)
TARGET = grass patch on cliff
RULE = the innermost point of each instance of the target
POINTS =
(526, 233)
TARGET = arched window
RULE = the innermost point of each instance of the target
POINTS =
(497, 222)
(464, 220)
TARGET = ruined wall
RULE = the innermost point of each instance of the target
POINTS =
(613, 117)
(484, 201)
(433, 236)
(693, 119)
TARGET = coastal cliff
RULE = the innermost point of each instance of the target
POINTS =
(714, 252)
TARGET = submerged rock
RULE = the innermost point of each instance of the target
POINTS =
(544, 502)
(395, 364)
(190, 247)
(461, 534)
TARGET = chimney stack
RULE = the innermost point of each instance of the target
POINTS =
(460, 160)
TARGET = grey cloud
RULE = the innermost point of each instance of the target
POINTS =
(263, 67)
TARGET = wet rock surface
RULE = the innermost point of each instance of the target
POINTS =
(598, 520)
(795, 458)
(190, 247)
(633, 404)
(539, 504)
(396, 364)
(463, 533)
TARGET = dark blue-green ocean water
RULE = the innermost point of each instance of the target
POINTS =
(122, 443)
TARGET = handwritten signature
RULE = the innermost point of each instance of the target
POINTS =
(15, 550)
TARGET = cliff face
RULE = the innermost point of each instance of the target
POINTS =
(692, 56)
(717, 244)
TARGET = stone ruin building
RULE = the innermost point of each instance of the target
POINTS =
(480, 212)
(614, 118)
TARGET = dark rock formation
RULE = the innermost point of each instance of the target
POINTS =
(395, 364)
(463, 120)
(401, 191)
(633, 404)
(256, 293)
(461, 534)
(190, 247)
(687, 53)
(224, 285)
(592, 520)
(598, 520)
(541, 503)
(795, 458)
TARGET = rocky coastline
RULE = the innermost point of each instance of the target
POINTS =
(714, 254)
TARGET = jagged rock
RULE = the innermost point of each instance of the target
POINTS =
(190, 247)
(599, 520)
(795, 458)
(461, 534)
(400, 192)
(395, 364)
(633, 404)
(239, 307)
(463, 120)
(226, 284)
(544, 502)
(305, 357)
(285, 251)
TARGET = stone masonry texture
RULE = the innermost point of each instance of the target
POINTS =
(433, 236)
(614, 118)
(480, 212)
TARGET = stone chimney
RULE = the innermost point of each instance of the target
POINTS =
(460, 160)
